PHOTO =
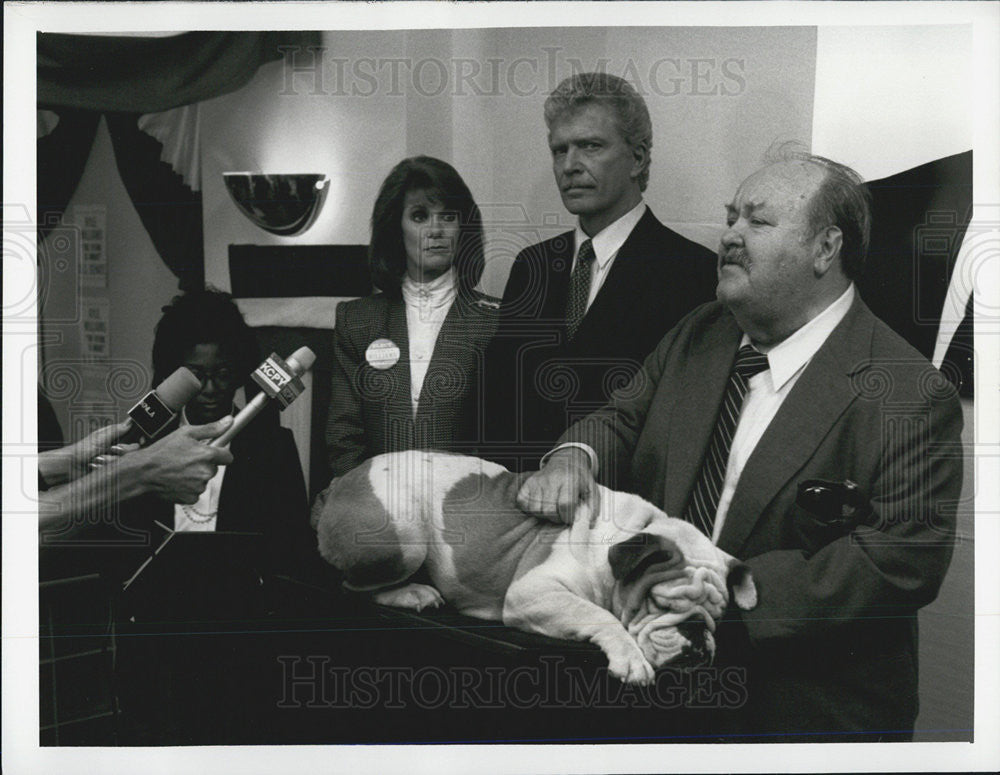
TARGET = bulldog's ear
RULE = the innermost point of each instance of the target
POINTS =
(739, 580)
(640, 551)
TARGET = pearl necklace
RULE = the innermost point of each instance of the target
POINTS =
(191, 511)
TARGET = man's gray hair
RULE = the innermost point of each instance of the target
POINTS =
(842, 200)
(617, 94)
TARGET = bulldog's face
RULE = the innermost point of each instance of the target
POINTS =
(671, 587)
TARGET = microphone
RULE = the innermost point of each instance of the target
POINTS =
(159, 406)
(278, 380)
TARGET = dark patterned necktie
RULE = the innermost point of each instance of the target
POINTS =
(579, 288)
(708, 487)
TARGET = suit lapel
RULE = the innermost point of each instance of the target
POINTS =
(557, 265)
(398, 332)
(699, 396)
(815, 403)
(619, 286)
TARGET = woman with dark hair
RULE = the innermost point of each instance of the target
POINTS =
(263, 486)
(407, 360)
(187, 672)
(205, 331)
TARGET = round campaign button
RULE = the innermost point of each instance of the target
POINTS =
(382, 354)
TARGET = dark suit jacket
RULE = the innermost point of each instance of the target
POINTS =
(831, 646)
(537, 382)
(370, 409)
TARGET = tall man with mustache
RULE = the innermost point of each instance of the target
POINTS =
(811, 442)
(581, 310)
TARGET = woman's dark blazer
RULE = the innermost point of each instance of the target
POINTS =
(370, 409)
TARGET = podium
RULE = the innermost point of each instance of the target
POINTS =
(186, 648)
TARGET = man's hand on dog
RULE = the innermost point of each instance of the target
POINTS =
(560, 488)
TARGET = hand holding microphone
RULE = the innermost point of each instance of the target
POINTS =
(145, 421)
(178, 467)
(154, 412)
(279, 380)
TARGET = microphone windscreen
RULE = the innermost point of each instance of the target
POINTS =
(301, 360)
(158, 407)
(179, 388)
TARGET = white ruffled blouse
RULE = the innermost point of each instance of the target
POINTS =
(427, 305)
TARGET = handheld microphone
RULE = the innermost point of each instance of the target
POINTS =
(278, 380)
(159, 406)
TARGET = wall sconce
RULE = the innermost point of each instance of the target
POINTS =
(280, 204)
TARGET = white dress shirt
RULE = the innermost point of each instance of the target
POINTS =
(766, 391)
(200, 517)
(427, 306)
(606, 243)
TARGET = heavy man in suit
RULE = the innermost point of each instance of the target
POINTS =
(581, 310)
(725, 436)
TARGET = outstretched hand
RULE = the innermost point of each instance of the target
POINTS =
(559, 490)
(179, 466)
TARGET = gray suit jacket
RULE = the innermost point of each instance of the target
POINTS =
(831, 647)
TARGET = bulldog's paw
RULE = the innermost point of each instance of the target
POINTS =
(628, 665)
(414, 596)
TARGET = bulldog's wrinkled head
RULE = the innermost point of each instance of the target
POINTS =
(671, 587)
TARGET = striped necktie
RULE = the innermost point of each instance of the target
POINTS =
(705, 497)
(579, 288)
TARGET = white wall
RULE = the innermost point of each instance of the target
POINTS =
(354, 139)
(892, 98)
(718, 97)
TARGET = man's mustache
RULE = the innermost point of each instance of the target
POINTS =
(736, 256)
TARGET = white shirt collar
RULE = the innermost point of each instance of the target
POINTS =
(608, 241)
(786, 358)
(434, 293)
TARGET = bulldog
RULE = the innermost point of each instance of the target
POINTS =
(644, 587)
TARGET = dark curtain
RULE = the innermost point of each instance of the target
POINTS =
(62, 156)
(150, 75)
(919, 218)
(170, 209)
(81, 77)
